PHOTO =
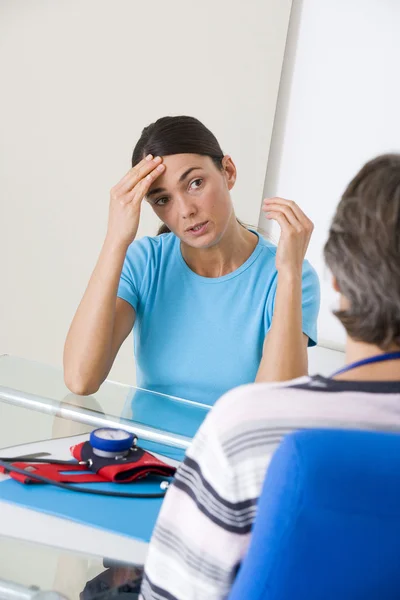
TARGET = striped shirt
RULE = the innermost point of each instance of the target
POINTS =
(204, 526)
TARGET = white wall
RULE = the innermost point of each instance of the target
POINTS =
(79, 80)
(338, 107)
(324, 361)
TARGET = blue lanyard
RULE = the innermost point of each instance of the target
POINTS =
(368, 361)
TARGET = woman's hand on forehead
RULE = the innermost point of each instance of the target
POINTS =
(144, 173)
(126, 199)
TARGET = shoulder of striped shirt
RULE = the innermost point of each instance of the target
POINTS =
(293, 405)
(260, 388)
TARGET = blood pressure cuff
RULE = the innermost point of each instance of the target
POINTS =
(95, 469)
(136, 465)
(72, 473)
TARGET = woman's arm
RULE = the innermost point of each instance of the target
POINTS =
(100, 325)
(103, 321)
(285, 346)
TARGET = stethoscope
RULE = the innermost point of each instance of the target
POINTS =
(106, 442)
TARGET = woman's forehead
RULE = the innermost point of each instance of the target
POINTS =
(177, 163)
(177, 167)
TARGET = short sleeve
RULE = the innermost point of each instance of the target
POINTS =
(134, 271)
(310, 302)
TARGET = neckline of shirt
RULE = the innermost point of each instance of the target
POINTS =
(325, 384)
(212, 280)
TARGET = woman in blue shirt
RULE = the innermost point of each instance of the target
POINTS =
(212, 304)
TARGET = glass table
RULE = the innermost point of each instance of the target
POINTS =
(31, 571)
(160, 421)
(37, 408)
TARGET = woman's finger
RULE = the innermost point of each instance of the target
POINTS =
(137, 173)
(301, 216)
(289, 214)
(281, 219)
(141, 189)
(128, 175)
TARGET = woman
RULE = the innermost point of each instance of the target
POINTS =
(213, 305)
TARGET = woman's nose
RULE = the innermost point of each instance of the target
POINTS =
(186, 207)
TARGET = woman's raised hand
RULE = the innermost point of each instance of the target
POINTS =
(126, 199)
(296, 230)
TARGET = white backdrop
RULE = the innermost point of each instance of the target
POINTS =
(79, 80)
(338, 107)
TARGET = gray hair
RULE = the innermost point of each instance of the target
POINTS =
(363, 253)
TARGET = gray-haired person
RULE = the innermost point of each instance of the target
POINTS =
(204, 527)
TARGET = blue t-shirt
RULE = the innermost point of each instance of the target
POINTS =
(197, 337)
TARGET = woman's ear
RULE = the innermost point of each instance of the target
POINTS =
(335, 285)
(344, 304)
(229, 170)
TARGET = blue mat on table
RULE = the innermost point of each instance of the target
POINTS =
(134, 517)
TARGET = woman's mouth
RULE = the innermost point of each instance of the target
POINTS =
(198, 229)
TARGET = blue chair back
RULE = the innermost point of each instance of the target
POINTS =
(328, 521)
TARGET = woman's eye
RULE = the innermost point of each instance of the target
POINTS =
(161, 201)
(196, 183)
